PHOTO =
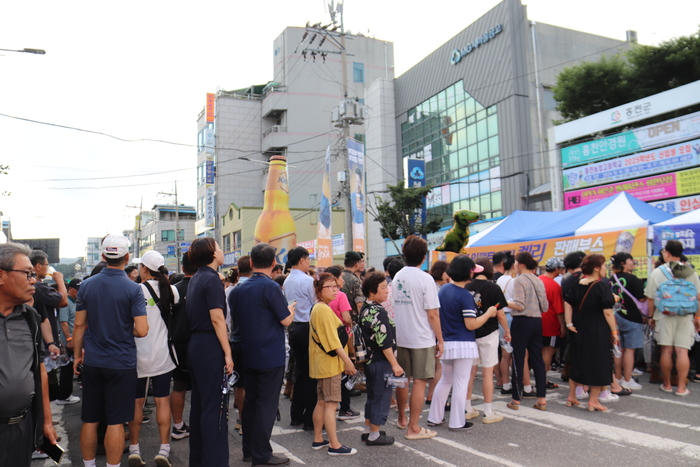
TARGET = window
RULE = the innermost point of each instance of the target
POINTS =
(169, 235)
(358, 72)
(201, 173)
(227, 243)
(237, 240)
(200, 208)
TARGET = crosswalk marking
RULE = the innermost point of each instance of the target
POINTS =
(278, 448)
(573, 425)
(490, 457)
(668, 401)
(424, 455)
(658, 420)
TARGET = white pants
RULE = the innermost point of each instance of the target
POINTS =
(455, 375)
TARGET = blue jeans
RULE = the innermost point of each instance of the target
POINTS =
(378, 395)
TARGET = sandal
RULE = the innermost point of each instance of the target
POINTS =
(684, 393)
(512, 405)
(570, 403)
(542, 407)
(400, 426)
(551, 385)
(669, 390)
(592, 408)
(622, 392)
(422, 434)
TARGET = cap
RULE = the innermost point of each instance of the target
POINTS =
(354, 255)
(553, 263)
(478, 268)
(115, 246)
(152, 260)
(74, 284)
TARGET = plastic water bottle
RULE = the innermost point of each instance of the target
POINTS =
(617, 353)
(231, 380)
(355, 379)
(697, 337)
(506, 346)
(394, 381)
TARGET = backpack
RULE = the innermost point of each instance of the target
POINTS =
(179, 330)
(359, 342)
(166, 312)
(676, 297)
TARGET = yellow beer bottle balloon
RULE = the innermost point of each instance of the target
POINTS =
(275, 225)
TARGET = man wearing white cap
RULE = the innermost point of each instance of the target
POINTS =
(110, 311)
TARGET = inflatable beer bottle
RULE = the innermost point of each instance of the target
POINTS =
(275, 225)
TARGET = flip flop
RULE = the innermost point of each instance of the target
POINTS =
(622, 392)
(666, 390)
(422, 434)
(684, 393)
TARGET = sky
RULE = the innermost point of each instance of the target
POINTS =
(141, 70)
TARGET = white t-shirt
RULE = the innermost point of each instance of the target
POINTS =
(152, 355)
(505, 282)
(414, 292)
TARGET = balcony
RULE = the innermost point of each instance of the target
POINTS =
(274, 139)
(274, 101)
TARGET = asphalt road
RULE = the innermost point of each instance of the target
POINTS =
(649, 428)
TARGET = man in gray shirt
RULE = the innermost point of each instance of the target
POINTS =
(25, 412)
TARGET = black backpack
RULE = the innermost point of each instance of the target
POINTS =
(177, 324)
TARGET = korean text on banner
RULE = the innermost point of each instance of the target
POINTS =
(324, 258)
(210, 107)
(667, 159)
(631, 241)
(686, 234)
(640, 139)
(356, 165)
(416, 178)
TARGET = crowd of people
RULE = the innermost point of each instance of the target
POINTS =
(417, 338)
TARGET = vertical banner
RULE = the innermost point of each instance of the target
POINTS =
(210, 107)
(356, 165)
(416, 177)
(324, 258)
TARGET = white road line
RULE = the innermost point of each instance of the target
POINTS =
(658, 420)
(668, 401)
(424, 455)
(490, 457)
(281, 449)
(602, 431)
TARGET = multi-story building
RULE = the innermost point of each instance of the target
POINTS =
(477, 110)
(291, 116)
(158, 232)
(93, 254)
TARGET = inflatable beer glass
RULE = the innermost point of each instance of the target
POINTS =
(275, 225)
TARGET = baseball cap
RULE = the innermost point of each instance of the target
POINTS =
(74, 284)
(152, 260)
(554, 263)
(115, 246)
(354, 255)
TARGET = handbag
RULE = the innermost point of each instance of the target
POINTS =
(643, 307)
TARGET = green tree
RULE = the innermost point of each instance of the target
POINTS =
(399, 217)
(592, 87)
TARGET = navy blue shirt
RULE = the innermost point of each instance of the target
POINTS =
(112, 301)
(456, 304)
(257, 307)
(205, 292)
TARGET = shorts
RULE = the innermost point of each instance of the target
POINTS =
(677, 331)
(108, 394)
(237, 357)
(328, 389)
(631, 333)
(181, 380)
(417, 363)
(488, 350)
(501, 331)
(161, 385)
(549, 341)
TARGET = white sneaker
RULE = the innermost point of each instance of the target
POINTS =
(609, 398)
(631, 384)
(493, 418)
(70, 400)
(39, 455)
(636, 372)
(471, 414)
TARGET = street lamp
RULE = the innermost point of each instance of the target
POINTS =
(26, 51)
